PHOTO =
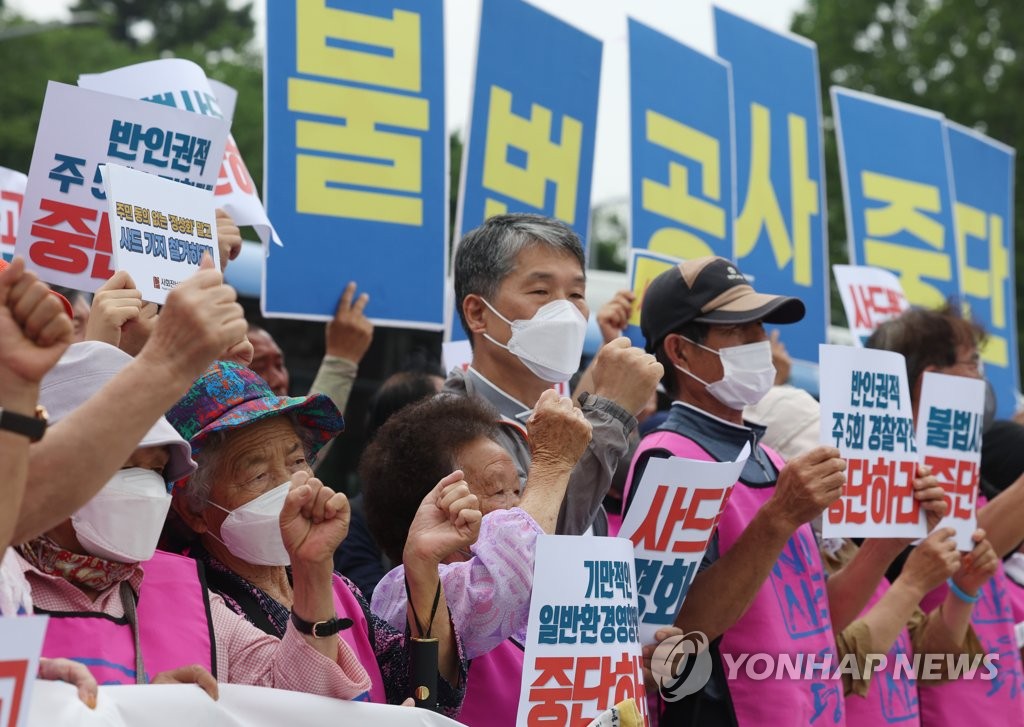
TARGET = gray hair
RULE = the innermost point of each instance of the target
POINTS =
(487, 255)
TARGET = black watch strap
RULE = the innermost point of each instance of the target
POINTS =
(320, 629)
(33, 427)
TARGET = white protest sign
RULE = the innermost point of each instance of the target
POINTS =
(21, 643)
(160, 229)
(582, 632)
(949, 418)
(12, 194)
(675, 509)
(456, 355)
(64, 234)
(182, 84)
(871, 296)
(866, 413)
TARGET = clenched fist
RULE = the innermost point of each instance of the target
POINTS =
(558, 431)
(626, 375)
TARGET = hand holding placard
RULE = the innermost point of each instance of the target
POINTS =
(807, 485)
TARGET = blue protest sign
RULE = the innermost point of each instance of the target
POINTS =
(356, 154)
(897, 192)
(681, 119)
(780, 223)
(983, 182)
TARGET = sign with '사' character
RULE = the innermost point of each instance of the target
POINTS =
(64, 233)
(871, 296)
(949, 423)
(866, 413)
(673, 514)
(582, 649)
(160, 229)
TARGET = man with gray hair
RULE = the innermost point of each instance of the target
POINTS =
(520, 286)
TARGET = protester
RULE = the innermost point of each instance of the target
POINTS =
(705, 324)
(247, 441)
(489, 585)
(519, 291)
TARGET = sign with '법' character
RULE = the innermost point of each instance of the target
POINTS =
(64, 233)
(583, 655)
(160, 229)
(871, 296)
(674, 511)
(949, 422)
(866, 413)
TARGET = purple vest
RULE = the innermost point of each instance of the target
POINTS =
(173, 619)
(492, 687)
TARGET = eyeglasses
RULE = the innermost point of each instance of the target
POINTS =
(975, 362)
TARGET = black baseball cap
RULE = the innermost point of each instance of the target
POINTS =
(708, 290)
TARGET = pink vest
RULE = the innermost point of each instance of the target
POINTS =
(891, 699)
(789, 614)
(976, 701)
(346, 605)
(174, 627)
(492, 692)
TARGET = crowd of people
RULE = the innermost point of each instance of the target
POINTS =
(162, 502)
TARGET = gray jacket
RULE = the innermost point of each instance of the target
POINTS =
(592, 475)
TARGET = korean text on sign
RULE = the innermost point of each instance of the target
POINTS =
(871, 296)
(866, 414)
(582, 648)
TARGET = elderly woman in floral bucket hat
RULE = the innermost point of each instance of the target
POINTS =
(254, 452)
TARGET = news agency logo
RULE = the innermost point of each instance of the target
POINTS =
(681, 665)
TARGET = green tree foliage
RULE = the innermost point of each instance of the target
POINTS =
(958, 57)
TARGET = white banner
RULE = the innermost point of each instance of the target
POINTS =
(21, 643)
(12, 195)
(182, 84)
(64, 234)
(675, 509)
(56, 704)
(871, 296)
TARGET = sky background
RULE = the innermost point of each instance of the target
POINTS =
(688, 21)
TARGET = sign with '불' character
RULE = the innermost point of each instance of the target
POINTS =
(871, 296)
(866, 414)
(674, 511)
(949, 422)
(160, 229)
(582, 649)
(64, 233)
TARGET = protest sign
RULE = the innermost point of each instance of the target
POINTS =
(12, 195)
(949, 419)
(182, 84)
(675, 509)
(64, 234)
(866, 413)
(356, 159)
(983, 179)
(456, 355)
(582, 650)
(894, 165)
(21, 643)
(161, 229)
(643, 267)
(780, 226)
(871, 296)
(681, 141)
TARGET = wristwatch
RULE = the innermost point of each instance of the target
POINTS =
(33, 427)
(321, 629)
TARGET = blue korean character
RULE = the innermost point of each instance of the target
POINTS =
(548, 625)
(124, 132)
(176, 249)
(837, 433)
(67, 171)
(854, 436)
(131, 239)
(156, 244)
(97, 184)
(939, 426)
(158, 146)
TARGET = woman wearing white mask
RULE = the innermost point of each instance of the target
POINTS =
(130, 612)
(249, 443)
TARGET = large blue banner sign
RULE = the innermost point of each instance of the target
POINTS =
(680, 108)
(356, 151)
(779, 232)
(983, 182)
(898, 195)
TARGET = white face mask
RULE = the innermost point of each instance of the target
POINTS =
(549, 344)
(252, 532)
(747, 374)
(123, 521)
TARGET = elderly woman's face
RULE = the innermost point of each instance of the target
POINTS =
(490, 473)
(256, 459)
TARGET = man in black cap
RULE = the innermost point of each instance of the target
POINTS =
(761, 587)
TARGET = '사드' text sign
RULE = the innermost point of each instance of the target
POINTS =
(866, 413)
(675, 510)
(160, 229)
(949, 417)
(582, 651)
(871, 296)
